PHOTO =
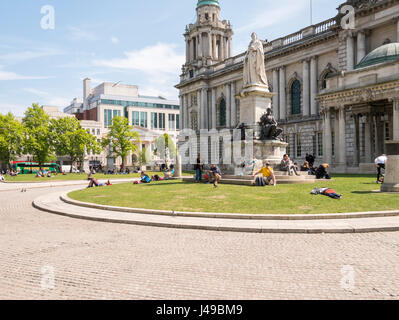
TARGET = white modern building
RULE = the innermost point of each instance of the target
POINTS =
(150, 116)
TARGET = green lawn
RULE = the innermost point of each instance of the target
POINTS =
(290, 199)
(77, 176)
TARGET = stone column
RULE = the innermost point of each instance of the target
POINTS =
(306, 88)
(187, 51)
(361, 45)
(209, 54)
(367, 138)
(214, 47)
(276, 97)
(182, 109)
(313, 86)
(222, 51)
(233, 106)
(336, 135)
(395, 119)
(186, 114)
(199, 110)
(356, 146)
(230, 48)
(327, 136)
(200, 46)
(204, 105)
(377, 135)
(213, 108)
(228, 105)
(283, 106)
(350, 52)
(342, 136)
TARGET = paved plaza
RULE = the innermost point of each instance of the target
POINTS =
(95, 260)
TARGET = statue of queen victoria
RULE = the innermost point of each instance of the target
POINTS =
(254, 64)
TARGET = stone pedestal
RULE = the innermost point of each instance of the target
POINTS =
(391, 180)
(254, 102)
(271, 151)
(178, 167)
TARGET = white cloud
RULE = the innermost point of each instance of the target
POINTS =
(8, 76)
(47, 99)
(286, 10)
(159, 59)
(18, 57)
(114, 40)
(77, 34)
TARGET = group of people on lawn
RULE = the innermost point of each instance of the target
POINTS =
(214, 174)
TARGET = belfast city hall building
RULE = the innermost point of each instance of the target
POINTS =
(336, 83)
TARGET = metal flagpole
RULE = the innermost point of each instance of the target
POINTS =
(311, 13)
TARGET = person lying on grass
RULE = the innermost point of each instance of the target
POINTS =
(327, 192)
(267, 174)
(94, 183)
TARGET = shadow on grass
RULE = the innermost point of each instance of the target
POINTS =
(363, 192)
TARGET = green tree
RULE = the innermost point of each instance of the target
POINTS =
(70, 139)
(121, 138)
(38, 138)
(12, 134)
(164, 147)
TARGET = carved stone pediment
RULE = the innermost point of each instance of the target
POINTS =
(363, 4)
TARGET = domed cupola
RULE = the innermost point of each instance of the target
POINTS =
(386, 53)
(207, 3)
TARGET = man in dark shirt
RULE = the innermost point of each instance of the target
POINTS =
(198, 169)
(310, 159)
(215, 175)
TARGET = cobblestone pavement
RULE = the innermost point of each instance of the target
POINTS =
(94, 260)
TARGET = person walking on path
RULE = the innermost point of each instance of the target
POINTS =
(380, 163)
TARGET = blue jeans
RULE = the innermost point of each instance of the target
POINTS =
(198, 175)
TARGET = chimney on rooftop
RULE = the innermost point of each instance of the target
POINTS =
(86, 93)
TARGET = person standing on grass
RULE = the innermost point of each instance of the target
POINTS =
(198, 169)
(380, 163)
(215, 175)
(267, 174)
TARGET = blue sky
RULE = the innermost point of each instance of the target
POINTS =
(136, 42)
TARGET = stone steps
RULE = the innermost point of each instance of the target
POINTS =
(244, 180)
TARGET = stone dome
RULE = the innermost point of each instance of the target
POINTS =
(386, 53)
(207, 3)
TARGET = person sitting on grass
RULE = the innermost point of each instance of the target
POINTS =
(267, 174)
(39, 174)
(322, 172)
(2, 178)
(215, 175)
(169, 174)
(145, 178)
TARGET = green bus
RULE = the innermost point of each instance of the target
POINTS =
(33, 167)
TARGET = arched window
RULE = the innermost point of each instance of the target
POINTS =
(324, 80)
(296, 97)
(222, 113)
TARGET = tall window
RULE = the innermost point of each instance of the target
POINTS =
(222, 113)
(161, 121)
(296, 97)
(298, 143)
(171, 121)
(154, 120)
(177, 122)
(135, 118)
(143, 119)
